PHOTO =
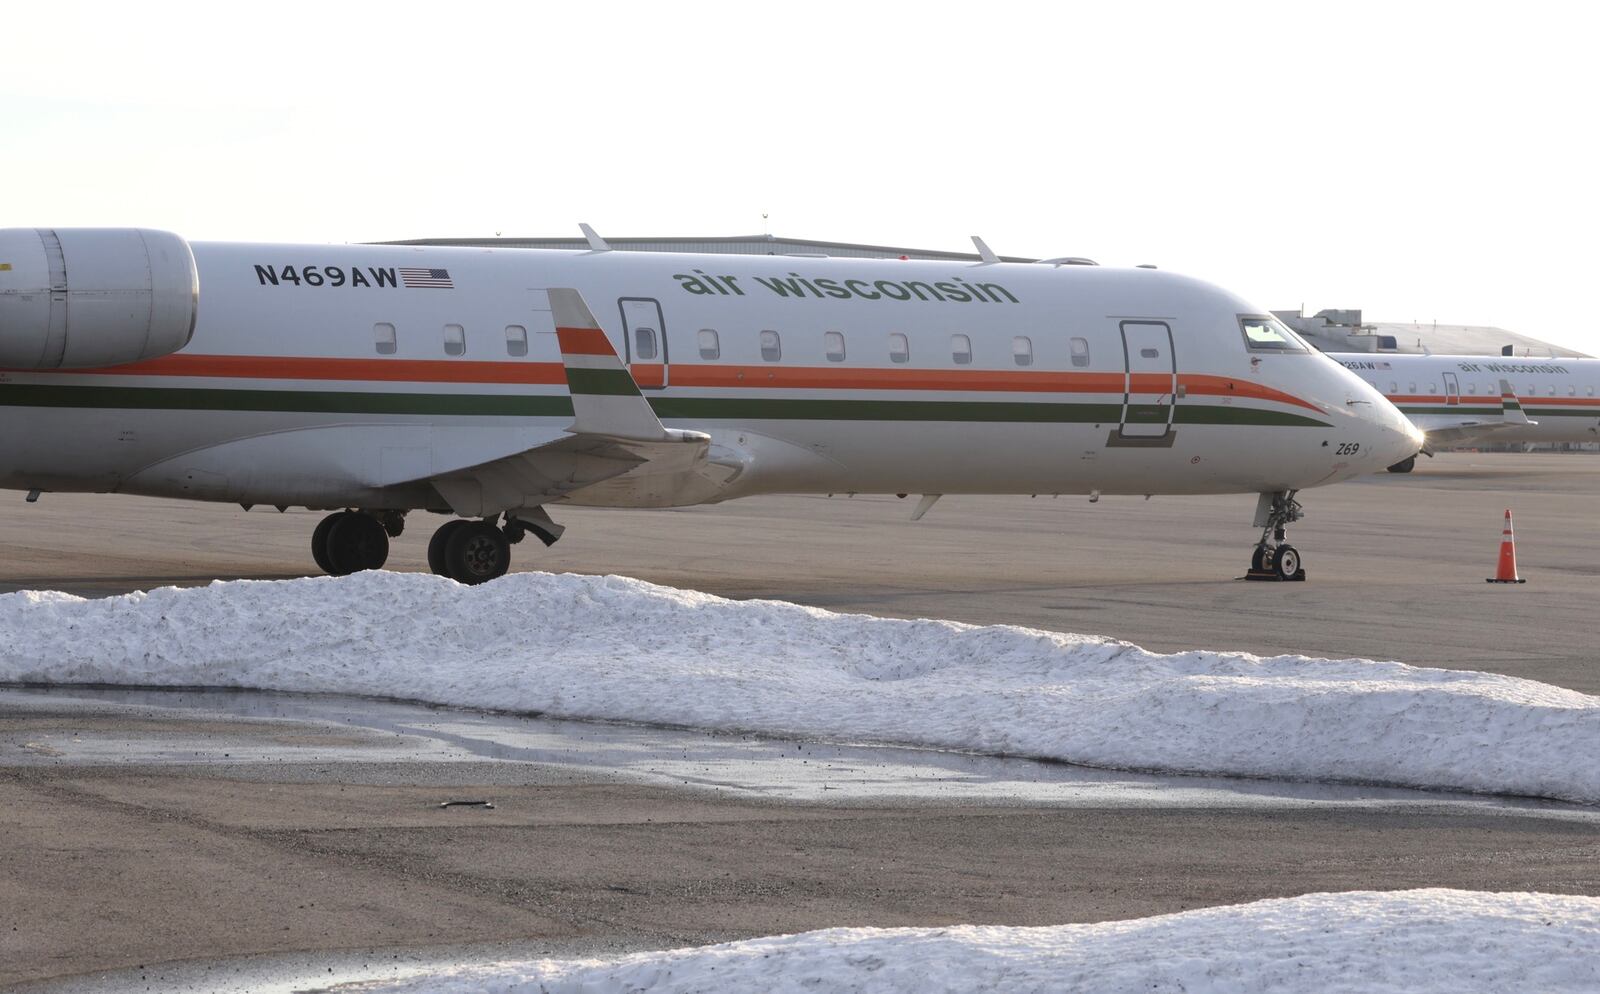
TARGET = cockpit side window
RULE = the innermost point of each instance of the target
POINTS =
(1263, 333)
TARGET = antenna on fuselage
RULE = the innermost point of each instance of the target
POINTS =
(596, 243)
(984, 251)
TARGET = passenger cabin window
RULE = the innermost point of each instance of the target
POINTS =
(1394, 387)
(1472, 388)
(1080, 351)
(710, 344)
(1550, 391)
(1268, 334)
(516, 340)
(455, 340)
(771, 347)
(644, 344)
(383, 338)
(899, 348)
(1022, 350)
(960, 350)
(1588, 391)
(1412, 387)
(833, 346)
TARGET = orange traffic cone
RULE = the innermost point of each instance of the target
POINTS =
(1506, 570)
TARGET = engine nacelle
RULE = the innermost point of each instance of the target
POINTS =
(78, 298)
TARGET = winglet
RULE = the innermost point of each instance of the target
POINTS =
(984, 251)
(605, 398)
(596, 243)
(1510, 408)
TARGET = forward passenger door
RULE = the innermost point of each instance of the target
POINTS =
(1150, 393)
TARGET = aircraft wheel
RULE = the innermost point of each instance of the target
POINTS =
(356, 542)
(477, 552)
(319, 541)
(1260, 559)
(1404, 465)
(1287, 563)
(436, 546)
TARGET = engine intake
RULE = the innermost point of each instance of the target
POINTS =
(80, 298)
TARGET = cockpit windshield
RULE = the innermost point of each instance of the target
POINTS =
(1268, 334)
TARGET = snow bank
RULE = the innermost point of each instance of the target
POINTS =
(610, 647)
(1418, 942)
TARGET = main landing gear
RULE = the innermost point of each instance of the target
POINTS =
(469, 552)
(1275, 559)
(348, 542)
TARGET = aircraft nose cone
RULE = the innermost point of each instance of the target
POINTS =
(1397, 439)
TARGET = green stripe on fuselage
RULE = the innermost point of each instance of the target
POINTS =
(1534, 411)
(287, 401)
(602, 382)
(674, 408)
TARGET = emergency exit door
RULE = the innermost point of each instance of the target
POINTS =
(644, 335)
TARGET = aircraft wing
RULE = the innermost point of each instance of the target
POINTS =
(614, 437)
(1444, 430)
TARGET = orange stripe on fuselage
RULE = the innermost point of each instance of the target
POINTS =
(588, 341)
(584, 341)
(1226, 386)
(1493, 400)
(823, 378)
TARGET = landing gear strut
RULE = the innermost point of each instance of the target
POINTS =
(1275, 559)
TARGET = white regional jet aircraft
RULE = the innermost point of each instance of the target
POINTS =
(1467, 399)
(374, 380)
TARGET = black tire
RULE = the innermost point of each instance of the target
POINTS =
(1260, 560)
(356, 542)
(436, 546)
(319, 541)
(477, 552)
(1404, 466)
(1287, 562)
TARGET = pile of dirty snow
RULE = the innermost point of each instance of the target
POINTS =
(615, 648)
(1416, 942)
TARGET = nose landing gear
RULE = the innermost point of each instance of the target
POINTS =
(1275, 559)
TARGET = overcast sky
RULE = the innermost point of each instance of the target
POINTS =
(1419, 161)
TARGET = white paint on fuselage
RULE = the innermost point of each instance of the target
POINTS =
(331, 458)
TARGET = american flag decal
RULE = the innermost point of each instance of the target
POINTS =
(426, 278)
